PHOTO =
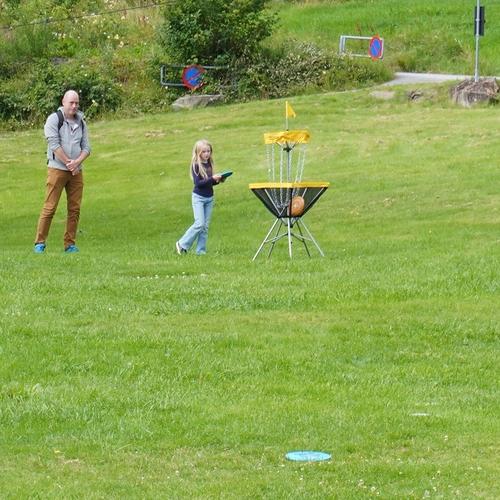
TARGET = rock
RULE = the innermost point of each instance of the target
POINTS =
(470, 92)
(196, 101)
(418, 95)
(415, 95)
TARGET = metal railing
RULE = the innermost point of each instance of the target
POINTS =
(345, 38)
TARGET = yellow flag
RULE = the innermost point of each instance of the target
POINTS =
(289, 112)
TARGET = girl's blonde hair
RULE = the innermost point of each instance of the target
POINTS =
(196, 162)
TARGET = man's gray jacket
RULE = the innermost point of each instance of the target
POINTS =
(71, 137)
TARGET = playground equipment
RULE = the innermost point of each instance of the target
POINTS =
(286, 195)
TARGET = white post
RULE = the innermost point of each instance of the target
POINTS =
(476, 69)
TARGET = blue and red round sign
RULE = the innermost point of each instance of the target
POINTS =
(192, 76)
(376, 47)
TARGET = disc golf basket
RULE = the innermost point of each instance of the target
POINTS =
(286, 195)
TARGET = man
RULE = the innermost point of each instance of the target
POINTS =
(68, 146)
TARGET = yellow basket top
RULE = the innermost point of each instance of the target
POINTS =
(295, 136)
(288, 185)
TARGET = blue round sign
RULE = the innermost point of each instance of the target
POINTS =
(192, 76)
(376, 48)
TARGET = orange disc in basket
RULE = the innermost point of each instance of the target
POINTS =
(297, 206)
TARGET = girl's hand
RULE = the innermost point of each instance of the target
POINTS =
(217, 178)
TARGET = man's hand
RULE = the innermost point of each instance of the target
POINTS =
(73, 166)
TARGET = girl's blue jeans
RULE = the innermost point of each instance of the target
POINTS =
(202, 210)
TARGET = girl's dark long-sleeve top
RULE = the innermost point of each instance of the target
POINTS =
(203, 187)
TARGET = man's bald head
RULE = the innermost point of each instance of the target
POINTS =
(70, 102)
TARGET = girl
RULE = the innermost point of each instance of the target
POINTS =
(202, 164)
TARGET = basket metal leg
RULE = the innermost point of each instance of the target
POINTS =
(274, 239)
(297, 222)
(289, 237)
(289, 234)
(313, 240)
(265, 239)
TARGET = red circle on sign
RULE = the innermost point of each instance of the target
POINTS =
(192, 76)
(376, 48)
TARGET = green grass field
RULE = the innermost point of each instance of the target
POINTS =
(424, 35)
(129, 371)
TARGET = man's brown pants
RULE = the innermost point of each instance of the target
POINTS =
(57, 180)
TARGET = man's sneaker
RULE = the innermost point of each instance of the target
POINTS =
(39, 247)
(179, 249)
(72, 249)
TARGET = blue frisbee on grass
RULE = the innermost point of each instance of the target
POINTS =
(307, 456)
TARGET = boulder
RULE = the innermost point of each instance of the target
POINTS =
(196, 101)
(470, 92)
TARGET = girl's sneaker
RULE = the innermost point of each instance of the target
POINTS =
(179, 249)
(39, 247)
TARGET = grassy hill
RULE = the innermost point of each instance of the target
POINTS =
(128, 371)
(115, 57)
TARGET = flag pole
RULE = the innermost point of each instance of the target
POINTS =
(287, 147)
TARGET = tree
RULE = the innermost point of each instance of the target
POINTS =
(215, 31)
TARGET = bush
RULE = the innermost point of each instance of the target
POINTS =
(298, 67)
(347, 72)
(215, 32)
(11, 104)
(302, 65)
(31, 100)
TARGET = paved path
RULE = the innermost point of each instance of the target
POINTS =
(408, 78)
